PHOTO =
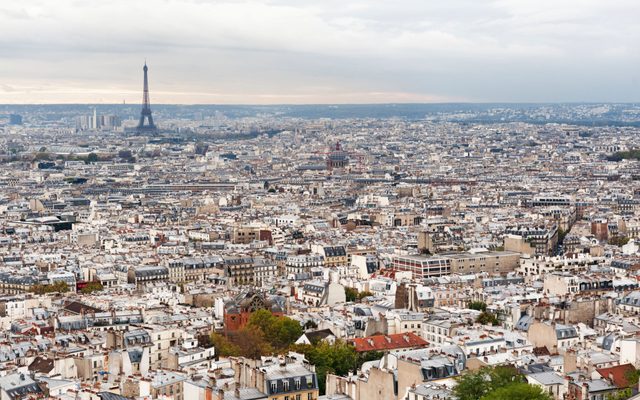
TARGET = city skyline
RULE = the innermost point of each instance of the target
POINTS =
(279, 52)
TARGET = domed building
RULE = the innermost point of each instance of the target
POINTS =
(337, 158)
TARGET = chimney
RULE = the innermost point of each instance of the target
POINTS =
(585, 391)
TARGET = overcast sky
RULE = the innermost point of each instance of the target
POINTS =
(320, 51)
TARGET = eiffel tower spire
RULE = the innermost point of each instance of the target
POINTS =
(146, 107)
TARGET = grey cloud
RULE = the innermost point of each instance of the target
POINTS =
(502, 50)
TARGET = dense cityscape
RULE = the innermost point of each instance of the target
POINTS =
(408, 252)
(319, 200)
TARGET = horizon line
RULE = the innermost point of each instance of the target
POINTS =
(331, 104)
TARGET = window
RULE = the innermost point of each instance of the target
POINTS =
(274, 387)
(297, 383)
(309, 396)
(285, 385)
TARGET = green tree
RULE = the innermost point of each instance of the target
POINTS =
(498, 383)
(618, 240)
(633, 154)
(263, 319)
(56, 287)
(362, 295)
(502, 376)
(632, 377)
(517, 391)
(280, 332)
(366, 356)
(487, 318)
(561, 235)
(472, 385)
(310, 324)
(351, 294)
(623, 394)
(338, 358)
(223, 346)
(287, 331)
(251, 342)
(92, 157)
(477, 305)
(92, 287)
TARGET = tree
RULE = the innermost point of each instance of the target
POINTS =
(351, 294)
(367, 356)
(623, 394)
(223, 346)
(561, 235)
(502, 376)
(477, 305)
(251, 342)
(58, 286)
(92, 157)
(618, 240)
(362, 295)
(632, 377)
(287, 331)
(92, 287)
(280, 332)
(517, 391)
(310, 324)
(633, 154)
(498, 383)
(487, 318)
(338, 358)
(126, 155)
(472, 385)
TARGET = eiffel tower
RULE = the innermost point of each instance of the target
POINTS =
(146, 108)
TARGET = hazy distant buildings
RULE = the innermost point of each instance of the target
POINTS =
(98, 122)
(15, 119)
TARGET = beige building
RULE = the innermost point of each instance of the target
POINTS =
(492, 262)
(288, 378)
(378, 384)
(555, 337)
(334, 256)
(560, 284)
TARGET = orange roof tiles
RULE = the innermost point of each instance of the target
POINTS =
(617, 374)
(388, 342)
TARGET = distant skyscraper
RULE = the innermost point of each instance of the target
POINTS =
(95, 122)
(146, 108)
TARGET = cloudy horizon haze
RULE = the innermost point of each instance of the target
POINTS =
(310, 52)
